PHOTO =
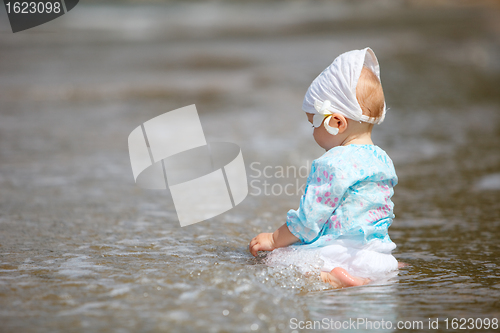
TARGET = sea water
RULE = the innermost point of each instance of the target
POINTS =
(82, 248)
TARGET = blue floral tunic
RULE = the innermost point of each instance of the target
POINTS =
(347, 196)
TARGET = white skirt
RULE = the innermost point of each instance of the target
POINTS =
(372, 260)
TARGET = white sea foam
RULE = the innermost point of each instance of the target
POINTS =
(489, 182)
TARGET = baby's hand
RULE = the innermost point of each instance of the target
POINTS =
(263, 242)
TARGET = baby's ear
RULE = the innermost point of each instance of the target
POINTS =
(338, 121)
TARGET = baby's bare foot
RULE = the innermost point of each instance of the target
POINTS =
(339, 278)
(328, 278)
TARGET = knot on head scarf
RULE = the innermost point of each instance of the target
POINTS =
(334, 90)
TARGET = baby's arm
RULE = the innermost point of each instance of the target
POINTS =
(269, 241)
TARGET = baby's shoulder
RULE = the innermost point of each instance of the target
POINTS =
(354, 153)
(360, 160)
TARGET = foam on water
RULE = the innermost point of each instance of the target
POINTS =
(489, 182)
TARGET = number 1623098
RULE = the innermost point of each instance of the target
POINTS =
(471, 323)
(33, 7)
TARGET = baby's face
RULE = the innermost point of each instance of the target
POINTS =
(322, 137)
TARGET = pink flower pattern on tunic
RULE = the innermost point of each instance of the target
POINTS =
(348, 194)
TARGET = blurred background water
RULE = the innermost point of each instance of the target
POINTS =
(84, 249)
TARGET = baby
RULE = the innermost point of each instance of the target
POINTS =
(346, 209)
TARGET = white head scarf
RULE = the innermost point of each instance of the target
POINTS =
(334, 90)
